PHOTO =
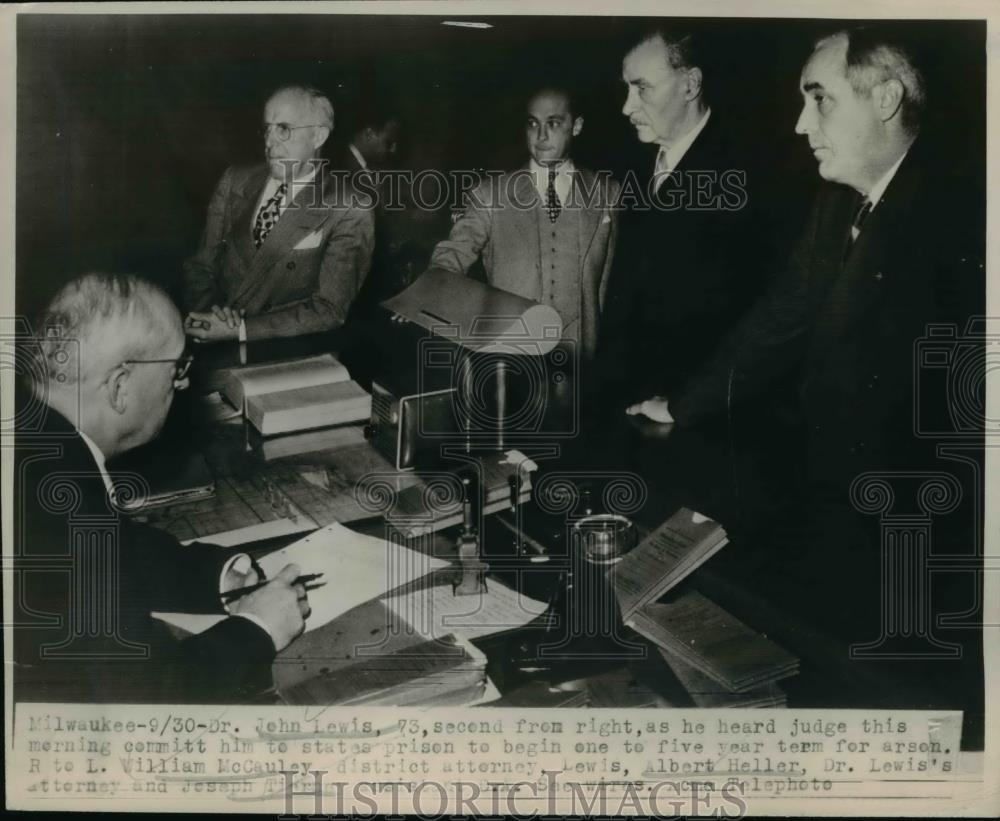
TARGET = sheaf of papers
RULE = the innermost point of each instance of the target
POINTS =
(356, 568)
(435, 612)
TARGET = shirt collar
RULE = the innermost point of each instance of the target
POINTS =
(565, 167)
(99, 459)
(564, 172)
(879, 188)
(675, 153)
(358, 156)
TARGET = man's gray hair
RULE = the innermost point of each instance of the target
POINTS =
(316, 101)
(874, 56)
(98, 313)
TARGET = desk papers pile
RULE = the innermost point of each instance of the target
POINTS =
(449, 671)
(435, 612)
(355, 568)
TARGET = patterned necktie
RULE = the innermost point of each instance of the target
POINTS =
(552, 198)
(267, 217)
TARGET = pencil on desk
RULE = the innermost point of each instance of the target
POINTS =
(232, 595)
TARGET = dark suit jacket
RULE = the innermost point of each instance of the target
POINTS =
(83, 571)
(307, 272)
(686, 268)
(846, 322)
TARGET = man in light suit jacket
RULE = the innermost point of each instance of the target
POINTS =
(547, 231)
(286, 246)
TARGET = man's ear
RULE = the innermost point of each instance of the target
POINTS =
(694, 79)
(321, 135)
(577, 126)
(118, 389)
(888, 98)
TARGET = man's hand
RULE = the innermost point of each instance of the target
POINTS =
(280, 605)
(655, 409)
(218, 324)
(241, 573)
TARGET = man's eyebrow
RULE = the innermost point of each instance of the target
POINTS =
(813, 86)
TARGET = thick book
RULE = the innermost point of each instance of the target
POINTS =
(316, 406)
(306, 441)
(238, 384)
(715, 643)
(184, 477)
(661, 560)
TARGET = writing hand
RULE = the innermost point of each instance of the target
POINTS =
(280, 604)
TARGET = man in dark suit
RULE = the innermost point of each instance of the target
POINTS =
(692, 246)
(88, 579)
(286, 247)
(894, 243)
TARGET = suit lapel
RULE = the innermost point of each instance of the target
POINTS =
(304, 215)
(870, 264)
(245, 208)
(590, 210)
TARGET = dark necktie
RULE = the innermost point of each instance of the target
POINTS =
(864, 209)
(552, 198)
(268, 216)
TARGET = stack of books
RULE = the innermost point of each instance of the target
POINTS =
(298, 407)
(447, 672)
(665, 557)
(701, 635)
(705, 692)
(718, 660)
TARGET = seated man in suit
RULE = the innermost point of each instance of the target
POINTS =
(547, 231)
(103, 379)
(286, 248)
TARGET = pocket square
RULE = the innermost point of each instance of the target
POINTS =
(606, 220)
(309, 241)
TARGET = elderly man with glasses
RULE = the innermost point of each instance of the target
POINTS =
(286, 247)
(102, 380)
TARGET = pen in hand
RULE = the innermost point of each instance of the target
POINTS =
(232, 595)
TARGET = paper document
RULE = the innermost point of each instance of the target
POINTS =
(435, 612)
(355, 568)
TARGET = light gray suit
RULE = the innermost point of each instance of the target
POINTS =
(506, 223)
(308, 270)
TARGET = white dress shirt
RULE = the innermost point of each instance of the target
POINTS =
(875, 195)
(563, 181)
(670, 155)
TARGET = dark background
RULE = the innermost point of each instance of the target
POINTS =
(126, 122)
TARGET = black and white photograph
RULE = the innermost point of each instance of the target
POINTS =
(471, 408)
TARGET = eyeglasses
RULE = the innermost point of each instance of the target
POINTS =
(283, 130)
(181, 365)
